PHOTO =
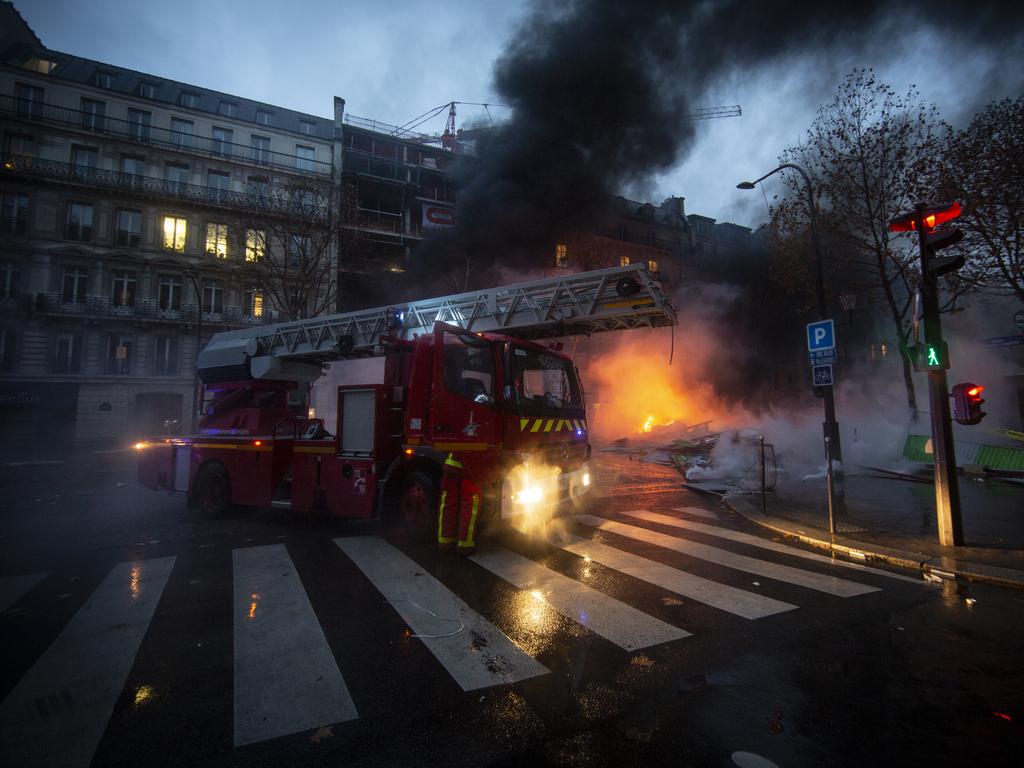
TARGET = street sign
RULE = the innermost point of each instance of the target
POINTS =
(822, 356)
(821, 335)
(822, 375)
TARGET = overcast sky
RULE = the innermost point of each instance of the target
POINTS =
(392, 61)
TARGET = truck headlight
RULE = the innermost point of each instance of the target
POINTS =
(586, 479)
(531, 495)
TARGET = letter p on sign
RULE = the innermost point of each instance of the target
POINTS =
(821, 336)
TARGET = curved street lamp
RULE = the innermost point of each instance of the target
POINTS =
(831, 426)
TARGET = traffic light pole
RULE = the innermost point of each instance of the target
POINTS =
(947, 487)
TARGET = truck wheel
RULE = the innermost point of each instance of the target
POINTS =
(214, 491)
(417, 507)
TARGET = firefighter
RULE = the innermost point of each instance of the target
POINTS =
(459, 507)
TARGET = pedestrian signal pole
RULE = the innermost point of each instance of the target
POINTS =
(933, 356)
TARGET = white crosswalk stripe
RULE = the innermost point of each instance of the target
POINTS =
(706, 513)
(613, 620)
(13, 587)
(57, 712)
(286, 679)
(757, 541)
(738, 602)
(831, 585)
(473, 651)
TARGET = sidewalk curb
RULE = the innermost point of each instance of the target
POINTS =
(936, 566)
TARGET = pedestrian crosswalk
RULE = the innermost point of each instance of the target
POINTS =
(286, 674)
(286, 679)
(58, 711)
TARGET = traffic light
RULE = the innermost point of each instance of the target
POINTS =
(929, 357)
(934, 239)
(967, 402)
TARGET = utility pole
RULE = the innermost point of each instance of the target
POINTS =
(947, 485)
(932, 357)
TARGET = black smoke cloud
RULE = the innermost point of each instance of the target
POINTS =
(602, 91)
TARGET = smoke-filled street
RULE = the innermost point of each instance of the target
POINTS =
(655, 628)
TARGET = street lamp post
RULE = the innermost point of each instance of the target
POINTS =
(831, 426)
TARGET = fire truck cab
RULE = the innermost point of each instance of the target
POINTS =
(391, 405)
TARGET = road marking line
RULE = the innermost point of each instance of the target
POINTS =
(58, 711)
(13, 587)
(613, 620)
(476, 657)
(831, 585)
(286, 679)
(706, 513)
(757, 541)
(738, 602)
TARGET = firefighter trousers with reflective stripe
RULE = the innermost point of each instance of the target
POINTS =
(459, 509)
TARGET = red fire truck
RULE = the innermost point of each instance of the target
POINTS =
(395, 390)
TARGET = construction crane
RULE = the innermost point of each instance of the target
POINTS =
(448, 137)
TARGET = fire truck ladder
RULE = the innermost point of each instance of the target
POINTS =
(574, 303)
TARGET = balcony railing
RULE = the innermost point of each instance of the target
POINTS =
(103, 306)
(274, 201)
(140, 133)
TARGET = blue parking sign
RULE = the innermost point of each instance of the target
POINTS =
(821, 335)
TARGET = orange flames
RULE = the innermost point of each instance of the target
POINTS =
(632, 389)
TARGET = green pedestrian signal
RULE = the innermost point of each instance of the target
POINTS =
(929, 357)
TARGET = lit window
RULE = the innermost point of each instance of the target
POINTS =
(174, 233)
(253, 303)
(884, 349)
(217, 240)
(255, 244)
(42, 66)
(652, 266)
(623, 261)
(561, 256)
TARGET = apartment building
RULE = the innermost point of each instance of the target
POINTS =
(129, 215)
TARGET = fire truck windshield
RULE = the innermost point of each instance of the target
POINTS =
(543, 381)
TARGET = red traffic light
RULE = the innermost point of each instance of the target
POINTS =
(967, 402)
(933, 215)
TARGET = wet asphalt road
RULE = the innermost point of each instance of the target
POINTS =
(905, 674)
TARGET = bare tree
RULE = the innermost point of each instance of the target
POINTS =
(870, 154)
(984, 167)
(296, 234)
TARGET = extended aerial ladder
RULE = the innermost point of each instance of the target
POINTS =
(580, 303)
